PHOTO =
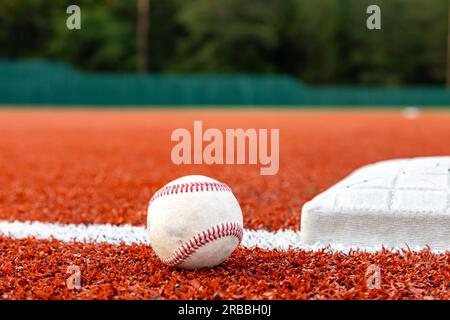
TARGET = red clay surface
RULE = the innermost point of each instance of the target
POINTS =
(38, 270)
(102, 166)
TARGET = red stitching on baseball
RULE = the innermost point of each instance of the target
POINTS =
(188, 248)
(190, 187)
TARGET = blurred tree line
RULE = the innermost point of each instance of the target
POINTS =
(318, 41)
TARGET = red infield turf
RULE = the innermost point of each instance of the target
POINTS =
(102, 166)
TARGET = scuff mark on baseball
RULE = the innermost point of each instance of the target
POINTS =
(194, 222)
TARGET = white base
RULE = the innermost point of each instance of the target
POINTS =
(394, 203)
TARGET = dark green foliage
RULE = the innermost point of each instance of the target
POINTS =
(318, 41)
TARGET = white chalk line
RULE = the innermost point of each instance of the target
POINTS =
(281, 240)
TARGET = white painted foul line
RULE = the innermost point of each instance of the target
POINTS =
(282, 240)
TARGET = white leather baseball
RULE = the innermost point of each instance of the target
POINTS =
(194, 222)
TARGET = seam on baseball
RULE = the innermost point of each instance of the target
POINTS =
(190, 187)
(188, 248)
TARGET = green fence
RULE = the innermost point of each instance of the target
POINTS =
(46, 83)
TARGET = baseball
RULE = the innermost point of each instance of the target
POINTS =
(194, 222)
